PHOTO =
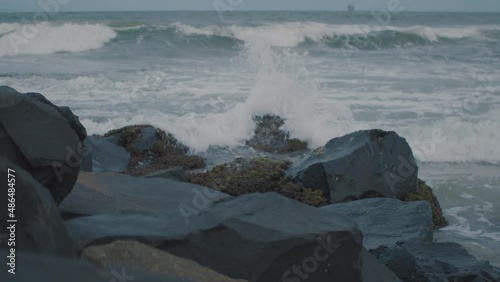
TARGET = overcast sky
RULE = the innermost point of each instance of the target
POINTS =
(120, 5)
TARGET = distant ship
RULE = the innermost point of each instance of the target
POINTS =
(350, 8)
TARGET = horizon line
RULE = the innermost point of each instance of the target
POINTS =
(238, 11)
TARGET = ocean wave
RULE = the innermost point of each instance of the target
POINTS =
(46, 38)
(336, 36)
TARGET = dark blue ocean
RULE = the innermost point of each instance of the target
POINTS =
(434, 78)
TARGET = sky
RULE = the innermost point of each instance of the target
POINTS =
(135, 5)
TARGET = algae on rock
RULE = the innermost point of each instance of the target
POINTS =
(162, 150)
(425, 193)
(257, 175)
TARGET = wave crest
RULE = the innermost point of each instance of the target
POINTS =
(46, 38)
(336, 36)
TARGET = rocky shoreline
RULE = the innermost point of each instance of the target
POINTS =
(137, 203)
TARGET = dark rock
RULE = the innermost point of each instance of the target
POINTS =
(375, 271)
(105, 155)
(257, 237)
(363, 164)
(153, 149)
(244, 176)
(270, 137)
(385, 221)
(39, 227)
(43, 139)
(117, 193)
(135, 255)
(425, 193)
(31, 267)
(419, 261)
(176, 173)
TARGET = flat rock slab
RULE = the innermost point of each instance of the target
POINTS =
(100, 193)
(359, 165)
(39, 227)
(44, 268)
(414, 261)
(385, 221)
(256, 237)
(136, 255)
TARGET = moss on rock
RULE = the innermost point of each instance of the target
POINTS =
(425, 193)
(167, 152)
(128, 135)
(257, 175)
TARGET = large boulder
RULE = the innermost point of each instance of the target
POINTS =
(35, 223)
(385, 221)
(414, 261)
(101, 193)
(257, 237)
(42, 138)
(362, 164)
(135, 255)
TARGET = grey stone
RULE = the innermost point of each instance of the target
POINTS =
(257, 237)
(148, 136)
(360, 165)
(105, 155)
(43, 139)
(99, 193)
(39, 227)
(432, 262)
(135, 255)
(385, 221)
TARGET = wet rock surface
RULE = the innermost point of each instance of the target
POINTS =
(420, 261)
(264, 235)
(363, 164)
(42, 138)
(118, 193)
(385, 221)
(105, 156)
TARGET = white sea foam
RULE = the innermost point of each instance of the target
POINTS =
(45, 38)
